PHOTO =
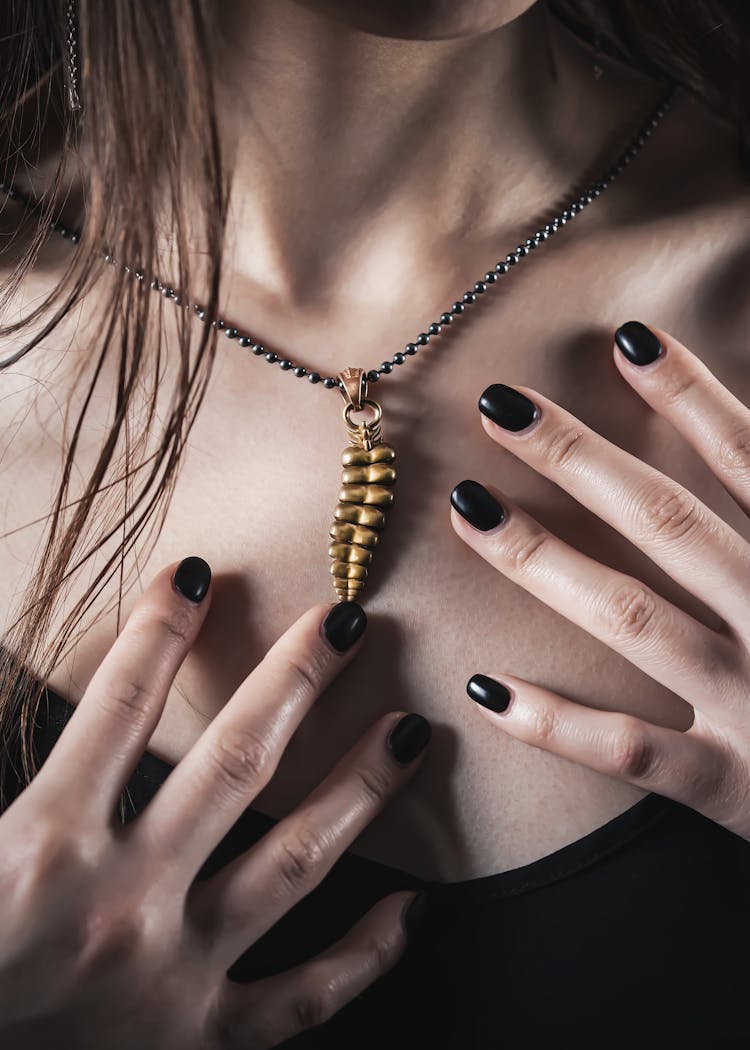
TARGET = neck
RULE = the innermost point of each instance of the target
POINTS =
(365, 165)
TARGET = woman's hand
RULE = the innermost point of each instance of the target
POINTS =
(106, 939)
(708, 766)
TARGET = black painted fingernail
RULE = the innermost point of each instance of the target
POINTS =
(488, 693)
(415, 915)
(409, 738)
(192, 577)
(507, 407)
(638, 343)
(344, 624)
(474, 503)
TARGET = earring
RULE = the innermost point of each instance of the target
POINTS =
(71, 64)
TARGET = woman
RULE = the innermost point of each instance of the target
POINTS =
(591, 887)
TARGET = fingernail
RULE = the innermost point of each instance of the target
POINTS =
(638, 343)
(488, 693)
(344, 624)
(507, 407)
(474, 503)
(415, 915)
(409, 738)
(192, 577)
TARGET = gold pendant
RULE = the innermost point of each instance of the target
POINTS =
(366, 490)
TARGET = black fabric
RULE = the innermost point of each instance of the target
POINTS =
(637, 935)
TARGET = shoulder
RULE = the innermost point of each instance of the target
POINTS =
(713, 205)
(690, 170)
(686, 212)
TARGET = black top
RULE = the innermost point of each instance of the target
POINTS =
(636, 935)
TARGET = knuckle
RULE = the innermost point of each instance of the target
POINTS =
(111, 936)
(712, 786)
(563, 444)
(320, 993)
(522, 551)
(670, 514)
(314, 1004)
(59, 874)
(219, 1028)
(303, 674)
(383, 951)
(728, 787)
(231, 1021)
(49, 859)
(171, 626)
(302, 856)
(305, 677)
(544, 725)
(375, 783)
(241, 759)
(630, 613)
(677, 384)
(632, 752)
(734, 453)
(128, 699)
(174, 627)
(720, 783)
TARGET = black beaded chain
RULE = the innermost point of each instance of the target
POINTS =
(433, 330)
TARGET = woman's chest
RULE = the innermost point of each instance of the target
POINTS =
(256, 497)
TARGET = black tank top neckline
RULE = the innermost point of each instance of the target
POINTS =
(633, 935)
(569, 859)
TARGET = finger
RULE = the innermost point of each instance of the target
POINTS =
(237, 754)
(689, 767)
(248, 896)
(682, 654)
(268, 1012)
(678, 386)
(674, 528)
(95, 755)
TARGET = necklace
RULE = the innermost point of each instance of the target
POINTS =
(368, 473)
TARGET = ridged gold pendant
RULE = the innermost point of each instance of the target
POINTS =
(366, 490)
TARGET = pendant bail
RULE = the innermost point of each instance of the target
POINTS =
(353, 387)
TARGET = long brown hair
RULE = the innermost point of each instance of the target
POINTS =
(143, 118)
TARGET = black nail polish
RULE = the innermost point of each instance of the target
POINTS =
(474, 503)
(344, 624)
(488, 693)
(415, 915)
(638, 343)
(192, 577)
(507, 407)
(409, 738)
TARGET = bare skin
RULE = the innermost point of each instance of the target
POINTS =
(108, 936)
(707, 765)
(348, 239)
